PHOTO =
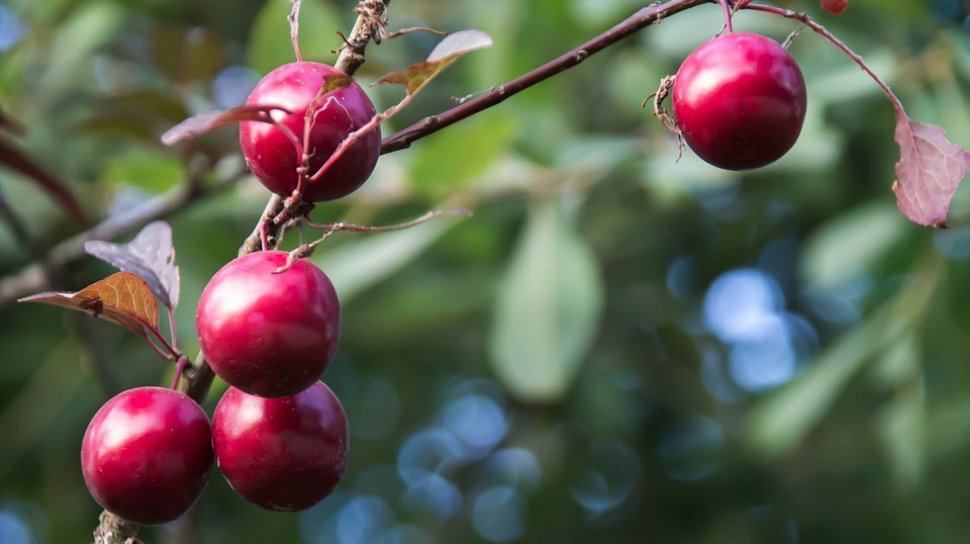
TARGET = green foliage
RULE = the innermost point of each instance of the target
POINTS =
(560, 360)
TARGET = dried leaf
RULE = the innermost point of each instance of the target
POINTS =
(332, 82)
(453, 46)
(204, 122)
(16, 160)
(929, 171)
(122, 298)
(150, 256)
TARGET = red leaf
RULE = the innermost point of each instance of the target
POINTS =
(122, 298)
(204, 122)
(929, 171)
(16, 160)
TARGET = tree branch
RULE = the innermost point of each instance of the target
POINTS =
(638, 21)
(37, 276)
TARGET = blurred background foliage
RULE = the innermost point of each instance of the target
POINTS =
(617, 345)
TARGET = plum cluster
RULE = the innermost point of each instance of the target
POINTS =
(267, 326)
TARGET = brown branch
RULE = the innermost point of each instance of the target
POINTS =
(371, 17)
(639, 20)
(38, 275)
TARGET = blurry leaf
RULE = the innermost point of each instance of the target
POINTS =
(186, 55)
(122, 298)
(150, 256)
(902, 423)
(91, 25)
(204, 122)
(356, 266)
(902, 426)
(117, 124)
(16, 160)
(547, 310)
(845, 248)
(929, 171)
(450, 49)
(269, 41)
(149, 103)
(145, 169)
(10, 124)
(782, 419)
(443, 162)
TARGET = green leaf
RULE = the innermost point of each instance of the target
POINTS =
(902, 424)
(185, 54)
(845, 248)
(92, 25)
(548, 308)
(437, 173)
(356, 266)
(781, 420)
(149, 170)
(269, 40)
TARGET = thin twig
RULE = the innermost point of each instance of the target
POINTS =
(639, 20)
(411, 30)
(305, 250)
(821, 30)
(294, 20)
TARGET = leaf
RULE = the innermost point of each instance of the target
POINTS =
(269, 40)
(186, 54)
(10, 124)
(547, 310)
(152, 170)
(122, 298)
(204, 122)
(16, 160)
(436, 175)
(453, 46)
(929, 171)
(354, 267)
(849, 246)
(150, 256)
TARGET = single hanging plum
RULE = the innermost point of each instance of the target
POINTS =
(271, 154)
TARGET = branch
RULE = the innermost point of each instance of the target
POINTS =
(38, 275)
(371, 16)
(638, 21)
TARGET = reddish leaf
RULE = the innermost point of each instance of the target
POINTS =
(929, 171)
(150, 256)
(416, 76)
(204, 122)
(122, 298)
(16, 160)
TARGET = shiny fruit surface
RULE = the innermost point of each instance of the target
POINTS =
(283, 454)
(267, 333)
(146, 454)
(740, 101)
(271, 154)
